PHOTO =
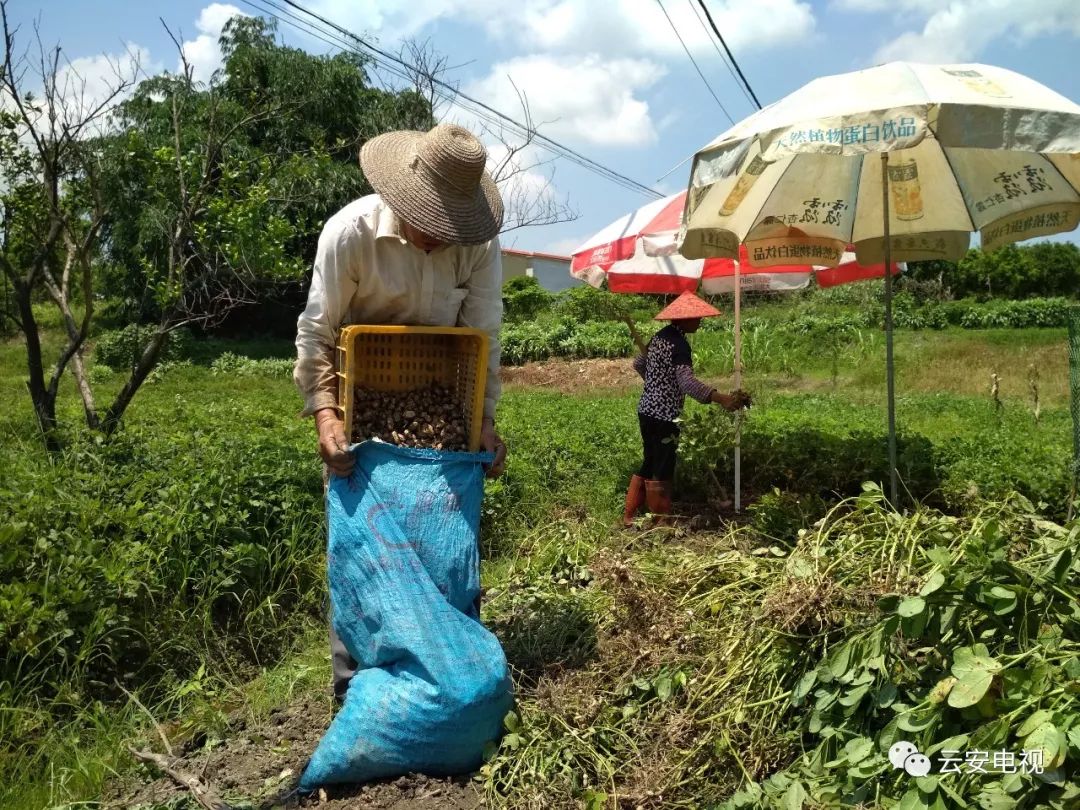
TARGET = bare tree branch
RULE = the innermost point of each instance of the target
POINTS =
(53, 160)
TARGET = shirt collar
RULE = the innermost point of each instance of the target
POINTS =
(388, 225)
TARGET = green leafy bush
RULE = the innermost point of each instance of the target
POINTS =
(963, 638)
(524, 299)
(118, 556)
(239, 366)
(121, 348)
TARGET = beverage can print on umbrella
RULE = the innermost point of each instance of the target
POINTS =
(905, 190)
(743, 185)
(979, 83)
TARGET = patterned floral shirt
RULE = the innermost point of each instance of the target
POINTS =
(669, 376)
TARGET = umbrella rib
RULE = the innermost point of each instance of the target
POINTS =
(1060, 174)
(769, 196)
(956, 179)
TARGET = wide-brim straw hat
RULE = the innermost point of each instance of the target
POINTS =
(687, 306)
(436, 181)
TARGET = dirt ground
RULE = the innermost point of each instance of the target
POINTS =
(258, 768)
(573, 376)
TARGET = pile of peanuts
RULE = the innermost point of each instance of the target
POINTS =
(429, 417)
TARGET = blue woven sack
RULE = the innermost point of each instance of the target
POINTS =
(432, 684)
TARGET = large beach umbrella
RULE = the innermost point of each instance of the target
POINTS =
(903, 161)
(638, 253)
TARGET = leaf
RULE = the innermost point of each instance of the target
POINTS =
(1074, 736)
(663, 687)
(974, 670)
(933, 583)
(512, 722)
(840, 660)
(1033, 722)
(512, 741)
(912, 606)
(913, 800)
(803, 687)
(858, 749)
(886, 695)
(854, 696)
(911, 721)
(1051, 741)
(994, 799)
(927, 784)
(794, 796)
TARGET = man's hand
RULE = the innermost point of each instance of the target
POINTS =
(333, 443)
(490, 441)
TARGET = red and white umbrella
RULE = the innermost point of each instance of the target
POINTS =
(638, 253)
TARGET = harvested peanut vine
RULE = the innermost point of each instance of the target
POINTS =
(430, 417)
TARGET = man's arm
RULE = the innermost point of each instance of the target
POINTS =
(482, 309)
(332, 287)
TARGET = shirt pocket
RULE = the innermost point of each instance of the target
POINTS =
(450, 306)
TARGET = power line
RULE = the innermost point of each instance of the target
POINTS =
(518, 129)
(719, 53)
(693, 61)
(731, 56)
(396, 66)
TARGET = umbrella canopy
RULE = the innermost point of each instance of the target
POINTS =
(638, 254)
(970, 148)
(953, 149)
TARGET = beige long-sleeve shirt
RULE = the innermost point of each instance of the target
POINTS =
(367, 272)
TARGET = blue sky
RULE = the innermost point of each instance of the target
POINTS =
(608, 77)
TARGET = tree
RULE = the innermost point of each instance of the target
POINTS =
(53, 211)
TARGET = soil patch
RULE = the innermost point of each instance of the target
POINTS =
(573, 376)
(259, 767)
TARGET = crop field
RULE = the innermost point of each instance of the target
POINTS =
(169, 582)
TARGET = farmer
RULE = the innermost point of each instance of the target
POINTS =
(423, 250)
(669, 378)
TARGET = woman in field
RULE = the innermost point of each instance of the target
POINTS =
(667, 369)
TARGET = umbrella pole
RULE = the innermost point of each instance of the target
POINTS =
(738, 385)
(889, 377)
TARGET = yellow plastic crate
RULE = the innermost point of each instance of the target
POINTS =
(403, 358)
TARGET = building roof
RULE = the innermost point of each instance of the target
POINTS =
(533, 254)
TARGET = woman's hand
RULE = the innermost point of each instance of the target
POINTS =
(735, 401)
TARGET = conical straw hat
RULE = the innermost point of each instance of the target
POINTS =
(685, 306)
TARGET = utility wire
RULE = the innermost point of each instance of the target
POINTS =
(719, 53)
(401, 68)
(693, 61)
(720, 37)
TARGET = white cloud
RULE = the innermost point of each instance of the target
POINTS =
(527, 191)
(611, 27)
(964, 29)
(203, 53)
(585, 99)
(86, 86)
(88, 81)
(635, 26)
